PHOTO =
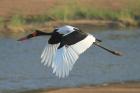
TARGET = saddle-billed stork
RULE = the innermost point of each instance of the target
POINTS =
(64, 47)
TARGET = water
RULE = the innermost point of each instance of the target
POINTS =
(21, 70)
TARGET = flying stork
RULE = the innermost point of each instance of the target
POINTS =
(64, 48)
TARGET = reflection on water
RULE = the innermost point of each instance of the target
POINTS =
(20, 67)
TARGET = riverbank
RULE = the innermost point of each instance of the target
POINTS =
(112, 88)
(83, 24)
(22, 15)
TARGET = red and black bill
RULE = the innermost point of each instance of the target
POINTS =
(34, 34)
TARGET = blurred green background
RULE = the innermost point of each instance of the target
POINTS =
(18, 13)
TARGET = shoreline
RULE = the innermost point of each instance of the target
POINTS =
(130, 87)
(50, 25)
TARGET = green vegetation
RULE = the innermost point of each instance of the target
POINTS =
(1, 22)
(17, 21)
(38, 19)
(126, 12)
(96, 9)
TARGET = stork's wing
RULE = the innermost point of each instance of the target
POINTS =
(63, 59)
(68, 55)
(83, 45)
(48, 55)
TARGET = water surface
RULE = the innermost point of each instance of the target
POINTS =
(21, 70)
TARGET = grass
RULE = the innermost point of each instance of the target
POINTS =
(98, 9)
(1, 22)
(124, 11)
(17, 20)
(74, 10)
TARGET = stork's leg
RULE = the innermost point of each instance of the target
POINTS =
(109, 50)
(98, 40)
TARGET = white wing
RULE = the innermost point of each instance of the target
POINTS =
(63, 59)
(48, 54)
(83, 45)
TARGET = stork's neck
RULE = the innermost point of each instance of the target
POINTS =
(40, 33)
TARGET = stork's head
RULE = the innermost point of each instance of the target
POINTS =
(66, 29)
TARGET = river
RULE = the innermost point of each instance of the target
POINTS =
(21, 70)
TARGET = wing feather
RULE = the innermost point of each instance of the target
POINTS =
(48, 54)
(83, 45)
(69, 58)
(43, 55)
(62, 60)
